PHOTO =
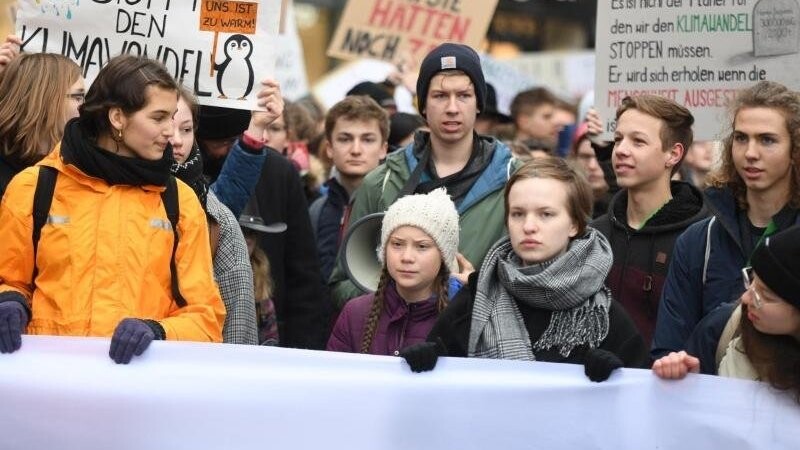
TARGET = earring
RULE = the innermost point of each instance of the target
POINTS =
(118, 136)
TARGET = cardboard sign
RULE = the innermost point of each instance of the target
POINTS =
(220, 49)
(699, 53)
(383, 29)
(221, 16)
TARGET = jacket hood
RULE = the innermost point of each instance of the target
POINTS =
(494, 177)
(686, 207)
(722, 204)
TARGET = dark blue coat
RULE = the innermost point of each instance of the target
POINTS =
(698, 283)
(326, 221)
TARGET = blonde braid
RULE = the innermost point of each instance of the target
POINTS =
(371, 324)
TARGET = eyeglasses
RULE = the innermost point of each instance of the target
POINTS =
(79, 97)
(747, 278)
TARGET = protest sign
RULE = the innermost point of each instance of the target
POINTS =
(567, 73)
(290, 67)
(383, 29)
(699, 53)
(333, 87)
(219, 48)
(506, 80)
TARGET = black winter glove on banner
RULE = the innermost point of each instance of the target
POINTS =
(13, 320)
(599, 364)
(132, 337)
(422, 357)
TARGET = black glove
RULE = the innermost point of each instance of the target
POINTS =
(422, 357)
(132, 337)
(598, 364)
(13, 319)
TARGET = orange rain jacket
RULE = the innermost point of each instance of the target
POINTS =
(104, 255)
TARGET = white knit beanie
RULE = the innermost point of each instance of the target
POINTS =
(434, 213)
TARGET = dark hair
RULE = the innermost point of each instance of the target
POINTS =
(123, 84)
(775, 358)
(360, 108)
(579, 193)
(440, 284)
(765, 94)
(528, 101)
(678, 121)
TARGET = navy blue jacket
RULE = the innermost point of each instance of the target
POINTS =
(697, 284)
(704, 341)
(326, 221)
(237, 180)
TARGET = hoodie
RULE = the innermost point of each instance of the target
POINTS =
(641, 257)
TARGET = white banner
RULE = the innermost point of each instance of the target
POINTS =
(219, 48)
(698, 53)
(66, 393)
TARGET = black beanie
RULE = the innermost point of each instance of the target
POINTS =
(376, 92)
(401, 125)
(214, 122)
(777, 264)
(449, 56)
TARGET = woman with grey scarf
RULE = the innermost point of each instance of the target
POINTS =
(539, 294)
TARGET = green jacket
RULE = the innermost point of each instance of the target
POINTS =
(482, 215)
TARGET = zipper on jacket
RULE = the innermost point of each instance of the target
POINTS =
(403, 331)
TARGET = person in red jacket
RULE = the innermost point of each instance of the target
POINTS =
(419, 242)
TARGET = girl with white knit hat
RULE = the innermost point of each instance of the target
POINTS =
(417, 251)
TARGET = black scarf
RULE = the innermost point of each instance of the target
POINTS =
(191, 173)
(459, 183)
(77, 149)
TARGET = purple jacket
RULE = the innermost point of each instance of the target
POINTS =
(400, 324)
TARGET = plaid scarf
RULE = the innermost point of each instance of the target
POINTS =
(191, 173)
(570, 285)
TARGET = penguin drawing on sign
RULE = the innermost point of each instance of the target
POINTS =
(238, 49)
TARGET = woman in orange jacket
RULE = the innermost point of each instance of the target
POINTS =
(105, 264)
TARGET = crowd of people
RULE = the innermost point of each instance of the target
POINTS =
(131, 212)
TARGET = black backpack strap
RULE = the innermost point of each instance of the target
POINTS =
(413, 180)
(42, 199)
(172, 206)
